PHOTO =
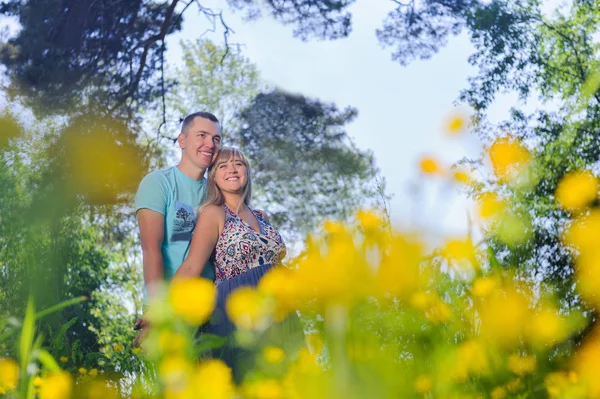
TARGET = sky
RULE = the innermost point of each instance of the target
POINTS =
(402, 110)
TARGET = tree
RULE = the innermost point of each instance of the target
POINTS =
(108, 54)
(519, 49)
(305, 167)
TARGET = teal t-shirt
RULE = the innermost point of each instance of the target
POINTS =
(176, 196)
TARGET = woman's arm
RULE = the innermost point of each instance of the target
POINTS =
(207, 231)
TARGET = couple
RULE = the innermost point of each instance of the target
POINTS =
(228, 242)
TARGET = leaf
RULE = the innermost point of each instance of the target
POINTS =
(57, 342)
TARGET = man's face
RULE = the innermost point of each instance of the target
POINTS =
(201, 142)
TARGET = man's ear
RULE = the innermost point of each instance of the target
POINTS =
(181, 140)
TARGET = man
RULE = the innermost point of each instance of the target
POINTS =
(166, 201)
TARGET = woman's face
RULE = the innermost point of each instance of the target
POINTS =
(231, 176)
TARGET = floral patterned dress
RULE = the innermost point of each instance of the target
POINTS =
(241, 257)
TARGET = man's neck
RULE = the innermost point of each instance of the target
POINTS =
(191, 171)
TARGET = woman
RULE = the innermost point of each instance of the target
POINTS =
(241, 241)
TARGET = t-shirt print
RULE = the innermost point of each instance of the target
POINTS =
(184, 223)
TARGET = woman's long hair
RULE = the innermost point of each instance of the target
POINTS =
(214, 196)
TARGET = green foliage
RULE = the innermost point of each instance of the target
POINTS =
(305, 167)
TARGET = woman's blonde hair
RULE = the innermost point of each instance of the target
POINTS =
(214, 196)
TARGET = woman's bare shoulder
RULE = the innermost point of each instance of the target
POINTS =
(212, 212)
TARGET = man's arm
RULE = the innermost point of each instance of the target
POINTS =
(207, 231)
(151, 225)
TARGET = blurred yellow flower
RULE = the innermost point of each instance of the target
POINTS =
(113, 168)
(64, 359)
(169, 342)
(213, 380)
(332, 227)
(577, 190)
(483, 286)
(369, 220)
(9, 374)
(490, 206)
(456, 124)
(400, 272)
(280, 284)
(38, 381)
(521, 365)
(508, 157)
(247, 308)
(118, 348)
(423, 384)
(273, 354)
(57, 385)
(547, 328)
(264, 389)
(586, 363)
(460, 253)
(515, 385)
(504, 315)
(462, 177)
(99, 389)
(471, 359)
(498, 393)
(82, 370)
(192, 299)
(94, 372)
(430, 166)
(137, 350)
(564, 385)
(176, 373)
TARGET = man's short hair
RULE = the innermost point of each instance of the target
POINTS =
(200, 114)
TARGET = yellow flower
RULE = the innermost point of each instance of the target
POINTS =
(82, 370)
(471, 359)
(137, 350)
(176, 372)
(57, 385)
(99, 389)
(490, 206)
(94, 372)
(247, 308)
(169, 341)
(114, 167)
(586, 363)
(273, 354)
(577, 190)
(192, 299)
(504, 316)
(508, 157)
(38, 381)
(264, 389)
(546, 328)
(423, 384)
(483, 286)
(279, 283)
(462, 176)
(514, 386)
(498, 393)
(9, 374)
(456, 124)
(118, 348)
(64, 359)
(400, 273)
(369, 220)
(521, 365)
(430, 166)
(460, 253)
(584, 233)
(213, 380)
